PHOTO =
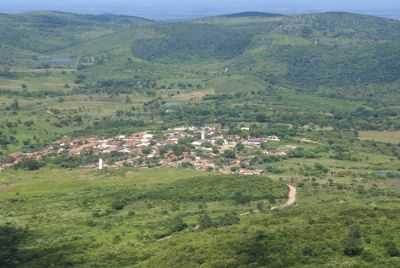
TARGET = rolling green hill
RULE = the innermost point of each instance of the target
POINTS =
(41, 34)
(196, 42)
(328, 49)
(327, 84)
(282, 61)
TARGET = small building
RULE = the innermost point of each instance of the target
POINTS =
(197, 143)
(125, 151)
(274, 138)
(100, 165)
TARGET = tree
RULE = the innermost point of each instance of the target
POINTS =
(392, 249)
(230, 218)
(235, 169)
(261, 206)
(10, 239)
(229, 154)
(187, 165)
(177, 225)
(239, 147)
(118, 204)
(30, 164)
(261, 118)
(220, 142)
(178, 149)
(14, 106)
(297, 153)
(205, 221)
(240, 199)
(215, 150)
(321, 168)
(147, 150)
(306, 32)
(353, 245)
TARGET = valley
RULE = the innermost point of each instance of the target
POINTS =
(248, 140)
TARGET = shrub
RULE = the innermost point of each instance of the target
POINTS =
(230, 218)
(177, 225)
(10, 240)
(368, 256)
(30, 164)
(147, 150)
(205, 221)
(308, 251)
(353, 245)
(229, 154)
(241, 199)
(392, 249)
(187, 165)
(261, 118)
(118, 204)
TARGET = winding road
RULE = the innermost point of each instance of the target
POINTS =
(292, 197)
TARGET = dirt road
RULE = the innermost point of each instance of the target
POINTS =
(292, 197)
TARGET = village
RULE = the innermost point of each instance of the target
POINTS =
(208, 148)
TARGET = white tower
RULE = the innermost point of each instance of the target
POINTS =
(101, 164)
(203, 134)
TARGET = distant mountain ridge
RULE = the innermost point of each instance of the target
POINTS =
(308, 51)
(252, 14)
(71, 17)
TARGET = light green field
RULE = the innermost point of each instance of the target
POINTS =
(237, 83)
(381, 136)
(51, 80)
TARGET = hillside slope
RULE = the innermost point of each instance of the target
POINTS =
(38, 34)
(308, 52)
(331, 49)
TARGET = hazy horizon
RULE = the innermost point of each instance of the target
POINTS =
(172, 9)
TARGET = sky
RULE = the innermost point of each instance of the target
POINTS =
(175, 9)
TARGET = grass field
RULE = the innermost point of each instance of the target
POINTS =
(48, 80)
(381, 136)
(237, 83)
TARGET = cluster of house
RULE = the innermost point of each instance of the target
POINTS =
(207, 145)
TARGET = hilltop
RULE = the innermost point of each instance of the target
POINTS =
(303, 51)
(39, 34)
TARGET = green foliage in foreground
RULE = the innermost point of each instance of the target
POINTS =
(176, 218)
(70, 221)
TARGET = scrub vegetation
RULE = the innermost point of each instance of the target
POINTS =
(325, 84)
